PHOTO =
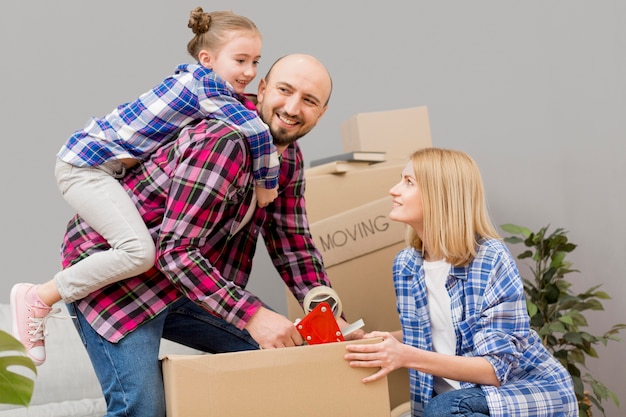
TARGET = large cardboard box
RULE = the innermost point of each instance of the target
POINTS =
(350, 225)
(396, 132)
(305, 381)
(349, 216)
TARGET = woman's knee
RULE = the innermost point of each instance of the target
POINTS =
(461, 402)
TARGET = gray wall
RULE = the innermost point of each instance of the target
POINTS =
(534, 91)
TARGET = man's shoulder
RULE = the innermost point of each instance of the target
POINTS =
(203, 141)
(208, 135)
(212, 129)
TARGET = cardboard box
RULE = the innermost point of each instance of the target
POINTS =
(396, 132)
(349, 221)
(306, 381)
(357, 232)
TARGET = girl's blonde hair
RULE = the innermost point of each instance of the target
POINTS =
(455, 209)
(211, 30)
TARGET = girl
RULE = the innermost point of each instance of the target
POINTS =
(466, 336)
(227, 48)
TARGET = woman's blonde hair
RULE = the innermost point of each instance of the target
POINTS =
(455, 209)
(211, 30)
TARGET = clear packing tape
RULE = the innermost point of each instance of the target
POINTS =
(323, 294)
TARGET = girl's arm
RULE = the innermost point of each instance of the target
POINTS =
(221, 103)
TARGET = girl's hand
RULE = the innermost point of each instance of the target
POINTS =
(264, 196)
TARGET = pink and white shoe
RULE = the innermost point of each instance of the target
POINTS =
(30, 316)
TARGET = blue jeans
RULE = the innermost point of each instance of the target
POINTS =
(129, 371)
(467, 402)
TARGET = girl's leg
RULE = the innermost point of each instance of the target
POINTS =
(105, 205)
(468, 402)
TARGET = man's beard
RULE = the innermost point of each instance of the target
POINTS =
(283, 138)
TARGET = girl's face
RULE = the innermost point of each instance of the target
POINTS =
(237, 61)
(407, 200)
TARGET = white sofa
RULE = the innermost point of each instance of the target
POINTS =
(66, 385)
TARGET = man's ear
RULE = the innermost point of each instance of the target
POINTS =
(205, 59)
(261, 90)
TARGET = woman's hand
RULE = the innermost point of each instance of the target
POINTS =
(388, 355)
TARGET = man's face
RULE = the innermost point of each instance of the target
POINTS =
(293, 98)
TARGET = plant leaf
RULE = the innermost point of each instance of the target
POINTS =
(516, 230)
(15, 388)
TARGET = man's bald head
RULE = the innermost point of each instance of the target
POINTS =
(307, 65)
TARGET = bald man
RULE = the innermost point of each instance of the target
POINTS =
(197, 197)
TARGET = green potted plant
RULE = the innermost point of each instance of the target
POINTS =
(558, 314)
(15, 388)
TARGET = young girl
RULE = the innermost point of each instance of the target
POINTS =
(466, 336)
(227, 48)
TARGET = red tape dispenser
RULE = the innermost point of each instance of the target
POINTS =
(320, 326)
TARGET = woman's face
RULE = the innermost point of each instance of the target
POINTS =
(407, 200)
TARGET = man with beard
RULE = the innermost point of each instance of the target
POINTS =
(196, 196)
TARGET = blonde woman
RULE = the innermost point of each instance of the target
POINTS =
(465, 337)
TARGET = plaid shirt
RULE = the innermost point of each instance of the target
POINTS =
(193, 193)
(491, 321)
(136, 129)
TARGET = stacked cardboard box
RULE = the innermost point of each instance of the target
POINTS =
(350, 224)
(396, 132)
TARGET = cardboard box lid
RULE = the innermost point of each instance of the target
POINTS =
(302, 381)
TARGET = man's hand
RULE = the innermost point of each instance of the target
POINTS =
(272, 330)
(355, 335)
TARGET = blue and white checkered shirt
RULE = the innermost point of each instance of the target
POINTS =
(491, 321)
(136, 129)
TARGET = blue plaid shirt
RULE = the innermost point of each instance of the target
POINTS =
(491, 321)
(136, 129)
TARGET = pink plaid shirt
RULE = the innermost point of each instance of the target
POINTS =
(193, 194)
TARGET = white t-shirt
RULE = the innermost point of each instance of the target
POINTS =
(444, 339)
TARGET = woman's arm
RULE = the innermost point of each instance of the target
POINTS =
(392, 354)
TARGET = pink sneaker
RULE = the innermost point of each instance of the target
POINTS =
(29, 320)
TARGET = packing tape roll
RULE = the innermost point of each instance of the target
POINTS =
(320, 294)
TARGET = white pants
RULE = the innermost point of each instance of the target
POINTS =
(104, 204)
